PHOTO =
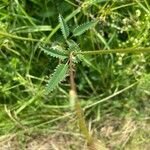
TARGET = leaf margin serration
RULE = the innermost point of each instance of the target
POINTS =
(84, 27)
(64, 27)
(73, 46)
(54, 52)
(59, 74)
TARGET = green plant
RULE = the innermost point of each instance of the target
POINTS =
(68, 60)
(121, 29)
(71, 55)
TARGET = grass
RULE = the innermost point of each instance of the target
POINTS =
(113, 88)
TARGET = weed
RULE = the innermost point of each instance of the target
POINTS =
(102, 45)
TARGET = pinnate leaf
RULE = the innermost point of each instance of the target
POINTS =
(84, 27)
(64, 27)
(59, 75)
(73, 46)
(54, 52)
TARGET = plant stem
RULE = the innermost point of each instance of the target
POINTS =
(72, 82)
(17, 37)
(127, 50)
(77, 106)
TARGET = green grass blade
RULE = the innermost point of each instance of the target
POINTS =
(102, 39)
(29, 29)
(5, 34)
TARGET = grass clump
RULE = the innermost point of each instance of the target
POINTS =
(108, 45)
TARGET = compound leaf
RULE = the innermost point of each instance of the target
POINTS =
(73, 46)
(64, 27)
(54, 52)
(84, 27)
(59, 74)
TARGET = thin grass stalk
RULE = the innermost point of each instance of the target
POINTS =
(126, 50)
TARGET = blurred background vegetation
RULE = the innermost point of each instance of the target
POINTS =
(114, 89)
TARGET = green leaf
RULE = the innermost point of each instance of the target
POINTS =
(29, 29)
(55, 52)
(73, 46)
(78, 58)
(59, 74)
(84, 27)
(64, 27)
